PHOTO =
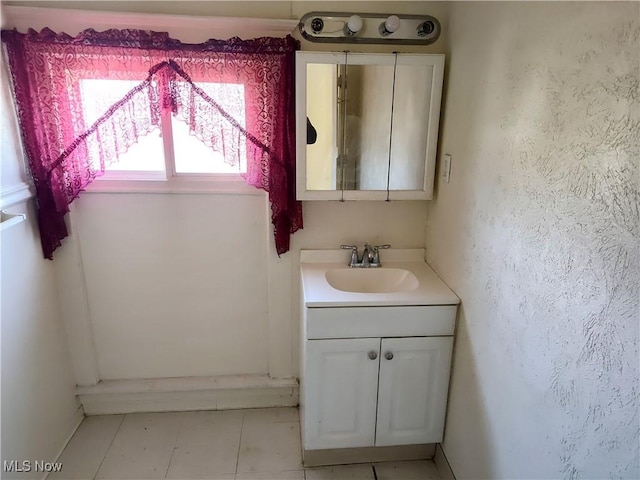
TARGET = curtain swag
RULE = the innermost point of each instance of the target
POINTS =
(66, 154)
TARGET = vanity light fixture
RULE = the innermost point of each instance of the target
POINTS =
(335, 27)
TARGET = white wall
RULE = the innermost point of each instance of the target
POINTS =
(176, 283)
(538, 234)
(39, 408)
(181, 285)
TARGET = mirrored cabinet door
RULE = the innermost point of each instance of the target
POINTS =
(365, 125)
(365, 105)
(321, 141)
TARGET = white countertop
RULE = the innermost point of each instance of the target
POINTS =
(318, 293)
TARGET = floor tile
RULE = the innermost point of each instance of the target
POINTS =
(207, 445)
(270, 447)
(84, 453)
(142, 447)
(213, 476)
(342, 472)
(288, 475)
(271, 415)
(261, 444)
(410, 470)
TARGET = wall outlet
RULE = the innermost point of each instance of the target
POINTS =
(446, 167)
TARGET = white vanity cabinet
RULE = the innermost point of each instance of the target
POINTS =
(386, 385)
(367, 392)
(375, 358)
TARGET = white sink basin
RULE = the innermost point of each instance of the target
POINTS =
(372, 280)
(405, 279)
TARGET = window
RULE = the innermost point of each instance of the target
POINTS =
(172, 151)
(244, 115)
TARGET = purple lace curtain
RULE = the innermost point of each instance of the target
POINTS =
(65, 154)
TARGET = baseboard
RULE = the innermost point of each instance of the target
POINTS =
(440, 459)
(188, 393)
(343, 456)
(78, 416)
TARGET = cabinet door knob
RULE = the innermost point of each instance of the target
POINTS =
(388, 356)
(373, 355)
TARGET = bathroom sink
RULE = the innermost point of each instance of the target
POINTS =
(372, 280)
(403, 280)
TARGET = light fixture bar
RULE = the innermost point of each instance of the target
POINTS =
(335, 27)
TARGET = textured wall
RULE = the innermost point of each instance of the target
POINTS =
(538, 234)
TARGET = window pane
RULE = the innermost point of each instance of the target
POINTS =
(193, 156)
(147, 155)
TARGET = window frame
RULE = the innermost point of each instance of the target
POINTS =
(169, 180)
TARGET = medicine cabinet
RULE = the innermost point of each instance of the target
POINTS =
(367, 125)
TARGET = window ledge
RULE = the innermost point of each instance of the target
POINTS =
(176, 186)
(14, 194)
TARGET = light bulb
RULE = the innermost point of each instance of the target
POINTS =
(354, 25)
(390, 25)
(317, 24)
(426, 28)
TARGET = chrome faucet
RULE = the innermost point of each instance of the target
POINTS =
(370, 256)
(367, 256)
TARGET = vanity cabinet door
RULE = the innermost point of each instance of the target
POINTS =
(414, 376)
(341, 391)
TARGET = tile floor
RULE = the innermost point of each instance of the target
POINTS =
(260, 444)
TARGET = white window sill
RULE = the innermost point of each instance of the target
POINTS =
(176, 185)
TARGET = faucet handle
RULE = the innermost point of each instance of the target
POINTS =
(354, 254)
(376, 252)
